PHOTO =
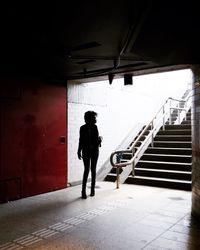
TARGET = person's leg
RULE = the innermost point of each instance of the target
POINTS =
(86, 162)
(94, 159)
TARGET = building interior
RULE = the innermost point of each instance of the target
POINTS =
(45, 46)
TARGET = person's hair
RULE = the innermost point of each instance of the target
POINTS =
(89, 116)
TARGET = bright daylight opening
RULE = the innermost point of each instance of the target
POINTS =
(120, 108)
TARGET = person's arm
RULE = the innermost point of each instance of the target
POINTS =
(80, 145)
(99, 138)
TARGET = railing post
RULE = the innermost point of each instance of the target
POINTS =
(133, 151)
(178, 116)
(152, 134)
(117, 177)
(185, 106)
(170, 115)
(179, 105)
(118, 160)
(163, 117)
(133, 168)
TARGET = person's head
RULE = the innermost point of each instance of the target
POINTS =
(90, 117)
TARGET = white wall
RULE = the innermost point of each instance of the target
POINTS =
(119, 109)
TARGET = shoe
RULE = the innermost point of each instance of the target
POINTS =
(84, 196)
(92, 193)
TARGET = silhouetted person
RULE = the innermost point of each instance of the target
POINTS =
(88, 150)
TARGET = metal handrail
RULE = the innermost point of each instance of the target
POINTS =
(133, 145)
(149, 138)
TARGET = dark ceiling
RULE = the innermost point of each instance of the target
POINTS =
(81, 39)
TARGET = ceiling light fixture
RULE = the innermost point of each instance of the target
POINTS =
(128, 79)
(110, 78)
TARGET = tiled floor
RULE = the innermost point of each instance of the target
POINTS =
(132, 217)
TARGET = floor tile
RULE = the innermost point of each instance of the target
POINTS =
(131, 217)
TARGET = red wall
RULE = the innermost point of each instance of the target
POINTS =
(33, 157)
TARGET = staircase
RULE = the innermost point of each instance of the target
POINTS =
(166, 162)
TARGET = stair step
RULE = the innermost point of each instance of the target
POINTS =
(160, 182)
(142, 138)
(181, 126)
(186, 122)
(114, 170)
(167, 157)
(155, 173)
(173, 118)
(127, 156)
(138, 143)
(164, 165)
(173, 138)
(172, 163)
(160, 179)
(110, 177)
(163, 170)
(173, 144)
(175, 132)
(161, 150)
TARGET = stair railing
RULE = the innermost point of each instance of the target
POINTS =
(186, 103)
(151, 129)
(182, 111)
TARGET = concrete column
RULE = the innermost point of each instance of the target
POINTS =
(196, 142)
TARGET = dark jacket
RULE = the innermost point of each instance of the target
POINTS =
(88, 138)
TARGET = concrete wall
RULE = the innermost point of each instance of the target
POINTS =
(119, 108)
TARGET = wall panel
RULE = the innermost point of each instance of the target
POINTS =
(33, 118)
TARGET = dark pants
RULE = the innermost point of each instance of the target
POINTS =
(90, 162)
